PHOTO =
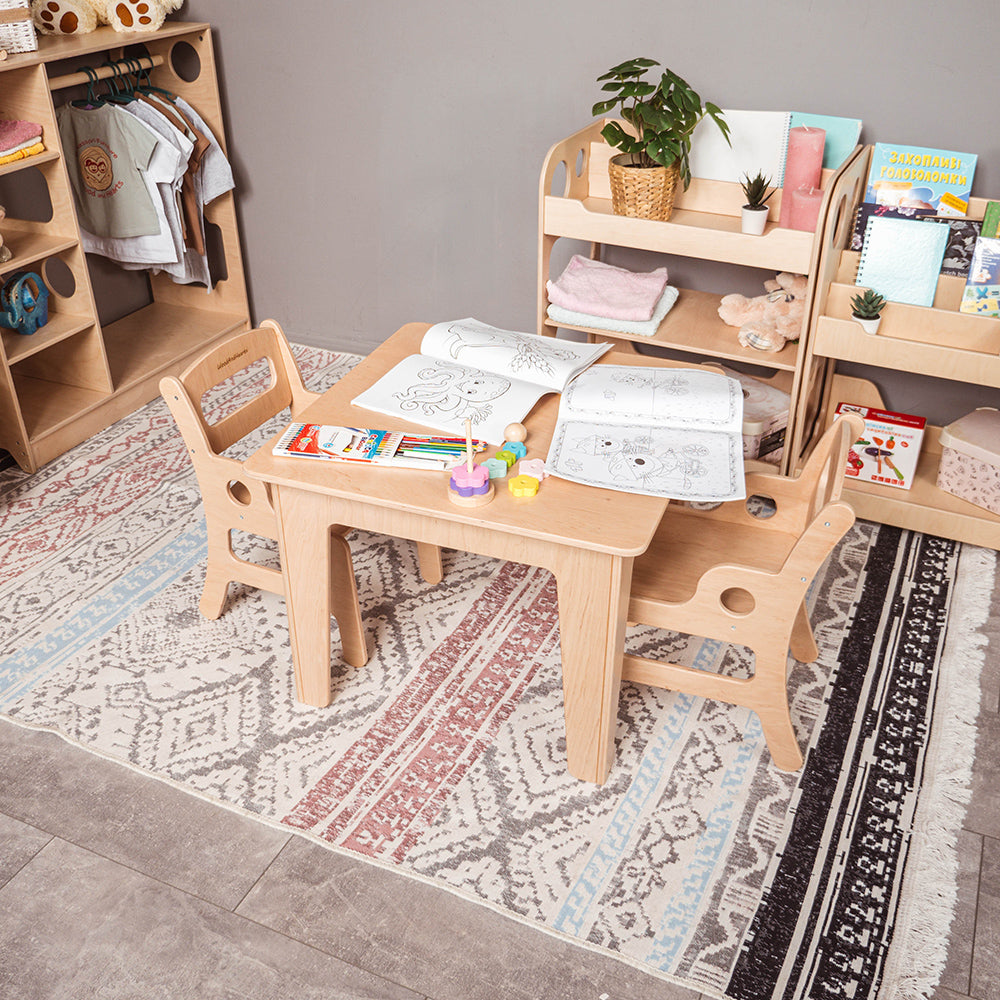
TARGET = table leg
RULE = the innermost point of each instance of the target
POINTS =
(304, 543)
(593, 592)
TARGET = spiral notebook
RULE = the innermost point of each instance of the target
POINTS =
(759, 142)
(901, 259)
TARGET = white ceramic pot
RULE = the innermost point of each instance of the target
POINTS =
(754, 220)
(870, 326)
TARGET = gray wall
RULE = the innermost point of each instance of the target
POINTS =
(387, 153)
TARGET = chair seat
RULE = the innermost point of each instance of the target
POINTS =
(688, 543)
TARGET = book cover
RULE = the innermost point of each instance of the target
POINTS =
(921, 177)
(962, 236)
(842, 135)
(468, 370)
(667, 432)
(901, 259)
(888, 450)
(866, 210)
(982, 288)
(991, 219)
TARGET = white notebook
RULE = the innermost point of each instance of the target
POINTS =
(759, 143)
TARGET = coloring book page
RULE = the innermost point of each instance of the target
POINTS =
(467, 370)
(668, 432)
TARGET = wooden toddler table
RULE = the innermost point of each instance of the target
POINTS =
(587, 537)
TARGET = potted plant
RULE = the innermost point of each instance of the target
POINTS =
(866, 309)
(654, 151)
(754, 212)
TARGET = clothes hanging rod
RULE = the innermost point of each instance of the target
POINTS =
(123, 67)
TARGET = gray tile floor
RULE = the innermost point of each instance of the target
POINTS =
(114, 885)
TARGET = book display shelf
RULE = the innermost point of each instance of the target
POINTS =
(936, 341)
(75, 376)
(704, 225)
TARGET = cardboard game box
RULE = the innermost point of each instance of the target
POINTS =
(887, 453)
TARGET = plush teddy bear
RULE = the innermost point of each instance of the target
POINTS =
(80, 17)
(768, 321)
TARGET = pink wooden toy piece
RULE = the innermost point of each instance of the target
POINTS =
(470, 484)
(534, 467)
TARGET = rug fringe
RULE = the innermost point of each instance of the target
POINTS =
(932, 869)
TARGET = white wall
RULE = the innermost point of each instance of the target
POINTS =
(387, 152)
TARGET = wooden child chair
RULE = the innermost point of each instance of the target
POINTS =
(234, 501)
(728, 575)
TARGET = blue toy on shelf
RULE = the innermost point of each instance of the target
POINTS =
(24, 302)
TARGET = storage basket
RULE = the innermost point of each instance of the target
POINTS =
(642, 192)
(970, 458)
(17, 33)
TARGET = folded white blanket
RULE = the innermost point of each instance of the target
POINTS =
(599, 289)
(647, 328)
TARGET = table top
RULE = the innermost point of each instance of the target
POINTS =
(562, 512)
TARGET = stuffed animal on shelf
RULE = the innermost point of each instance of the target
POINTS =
(80, 17)
(767, 322)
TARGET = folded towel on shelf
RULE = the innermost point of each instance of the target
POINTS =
(24, 153)
(14, 133)
(647, 328)
(599, 289)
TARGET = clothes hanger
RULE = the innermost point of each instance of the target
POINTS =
(118, 91)
(92, 100)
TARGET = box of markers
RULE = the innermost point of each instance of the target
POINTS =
(888, 450)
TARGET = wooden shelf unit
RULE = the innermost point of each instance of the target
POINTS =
(936, 341)
(705, 225)
(75, 376)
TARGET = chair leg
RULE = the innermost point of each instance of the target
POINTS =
(429, 558)
(214, 594)
(771, 705)
(344, 602)
(803, 642)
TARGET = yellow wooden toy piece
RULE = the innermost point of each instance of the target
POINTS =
(523, 486)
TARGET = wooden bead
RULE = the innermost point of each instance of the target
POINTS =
(515, 432)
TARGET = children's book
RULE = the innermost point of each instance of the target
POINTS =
(888, 450)
(982, 288)
(666, 432)
(991, 219)
(920, 177)
(467, 370)
(373, 447)
(901, 259)
(962, 237)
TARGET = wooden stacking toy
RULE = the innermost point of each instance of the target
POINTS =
(470, 484)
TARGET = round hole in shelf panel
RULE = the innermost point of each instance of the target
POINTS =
(559, 186)
(185, 61)
(59, 277)
(581, 162)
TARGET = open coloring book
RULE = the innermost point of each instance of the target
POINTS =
(467, 370)
(667, 432)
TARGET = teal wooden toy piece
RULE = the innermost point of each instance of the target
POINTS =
(516, 448)
(496, 467)
(523, 486)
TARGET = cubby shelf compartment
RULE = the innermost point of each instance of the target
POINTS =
(934, 341)
(693, 326)
(74, 377)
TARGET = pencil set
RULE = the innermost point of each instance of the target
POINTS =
(373, 447)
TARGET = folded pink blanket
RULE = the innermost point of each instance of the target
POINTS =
(591, 286)
(14, 133)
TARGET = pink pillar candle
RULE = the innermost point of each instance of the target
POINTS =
(803, 208)
(803, 164)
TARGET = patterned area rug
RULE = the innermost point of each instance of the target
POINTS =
(444, 757)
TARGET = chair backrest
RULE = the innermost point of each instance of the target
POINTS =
(285, 389)
(798, 499)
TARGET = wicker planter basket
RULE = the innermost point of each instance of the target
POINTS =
(642, 192)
